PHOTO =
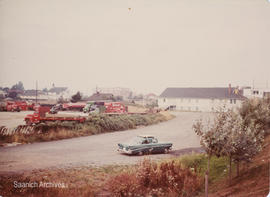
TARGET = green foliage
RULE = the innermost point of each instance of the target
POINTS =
(229, 136)
(256, 112)
(198, 162)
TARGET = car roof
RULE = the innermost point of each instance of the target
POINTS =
(146, 136)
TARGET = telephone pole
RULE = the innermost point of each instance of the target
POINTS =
(36, 90)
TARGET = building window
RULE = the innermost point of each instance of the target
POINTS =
(231, 101)
(164, 100)
(256, 92)
(234, 101)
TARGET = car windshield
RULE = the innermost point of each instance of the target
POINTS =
(136, 140)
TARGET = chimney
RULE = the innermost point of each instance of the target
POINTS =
(230, 89)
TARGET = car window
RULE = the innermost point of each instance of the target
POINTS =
(155, 140)
(145, 141)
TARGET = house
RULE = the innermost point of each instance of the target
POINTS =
(256, 92)
(200, 99)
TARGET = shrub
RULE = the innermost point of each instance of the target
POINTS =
(150, 178)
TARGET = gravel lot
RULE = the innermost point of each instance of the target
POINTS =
(100, 149)
(13, 119)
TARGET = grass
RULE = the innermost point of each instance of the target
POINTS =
(95, 124)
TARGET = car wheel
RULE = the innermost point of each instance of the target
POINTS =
(166, 150)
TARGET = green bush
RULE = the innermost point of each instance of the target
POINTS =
(198, 162)
(95, 124)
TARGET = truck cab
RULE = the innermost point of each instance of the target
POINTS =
(40, 112)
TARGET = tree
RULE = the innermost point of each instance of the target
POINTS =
(229, 136)
(18, 86)
(76, 97)
(45, 90)
(256, 112)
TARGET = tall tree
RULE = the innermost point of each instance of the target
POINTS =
(76, 97)
(18, 86)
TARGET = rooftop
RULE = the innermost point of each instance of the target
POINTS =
(213, 93)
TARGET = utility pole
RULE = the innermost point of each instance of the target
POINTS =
(36, 90)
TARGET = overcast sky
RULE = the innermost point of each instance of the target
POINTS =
(155, 44)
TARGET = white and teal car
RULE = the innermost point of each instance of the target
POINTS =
(144, 144)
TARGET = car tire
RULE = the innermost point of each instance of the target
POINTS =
(166, 151)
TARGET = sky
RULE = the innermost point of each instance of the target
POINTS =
(144, 45)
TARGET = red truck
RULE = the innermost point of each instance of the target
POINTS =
(14, 106)
(40, 116)
(115, 107)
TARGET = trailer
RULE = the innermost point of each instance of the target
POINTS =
(41, 116)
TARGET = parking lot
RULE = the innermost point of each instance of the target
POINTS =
(100, 149)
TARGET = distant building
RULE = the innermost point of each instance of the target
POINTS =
(101, 97)
(200, 99)
(116, 91)
(256, 92)
(58, 90)
(50, 96)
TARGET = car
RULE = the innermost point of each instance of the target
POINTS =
(144, 144)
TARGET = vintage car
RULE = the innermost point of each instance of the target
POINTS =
(144, 144)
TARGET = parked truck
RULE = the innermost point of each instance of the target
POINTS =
(104, 107)
(41, 115)
(14, 106)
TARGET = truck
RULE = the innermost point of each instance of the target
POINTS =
(93, 107)
(41, 115)
(104, 107)
(14, 106)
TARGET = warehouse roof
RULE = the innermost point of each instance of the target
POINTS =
(218, 93)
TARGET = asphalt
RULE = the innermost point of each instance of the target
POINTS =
(101, 149)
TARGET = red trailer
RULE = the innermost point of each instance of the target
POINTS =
(115, 107)
(40, 115)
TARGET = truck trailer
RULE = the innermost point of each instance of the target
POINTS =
(41, 115)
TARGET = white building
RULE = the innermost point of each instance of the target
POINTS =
(256, 92)
(200, 99)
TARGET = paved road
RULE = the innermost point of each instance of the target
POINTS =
(99, 149)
